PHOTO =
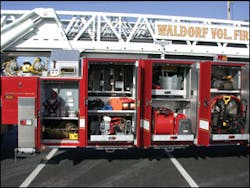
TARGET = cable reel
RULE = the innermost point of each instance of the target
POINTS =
(228, 114)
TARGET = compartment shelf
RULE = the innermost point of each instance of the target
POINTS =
(168, 92)
(61, 118)
(189, 137)
(104, 138)
(110, 92)
(219, 137)
(172, 99)
(116, 112)
(214, 90)
(59, 141)
(60, 78)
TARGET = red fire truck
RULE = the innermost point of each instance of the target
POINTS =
(119, 81)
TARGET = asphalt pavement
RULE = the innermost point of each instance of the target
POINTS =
(221, 166)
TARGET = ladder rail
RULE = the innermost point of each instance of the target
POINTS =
(130, 31)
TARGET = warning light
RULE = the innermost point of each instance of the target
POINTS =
(9, 97)
(220, 58)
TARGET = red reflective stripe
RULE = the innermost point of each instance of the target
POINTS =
(23, 122)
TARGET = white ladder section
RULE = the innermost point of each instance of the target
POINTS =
(46, 29)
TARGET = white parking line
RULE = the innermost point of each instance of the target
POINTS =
(183, 172)
(35, 172)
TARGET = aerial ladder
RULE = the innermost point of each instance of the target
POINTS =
(121, 33)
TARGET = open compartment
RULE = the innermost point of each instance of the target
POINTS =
(225, 79)
(224, 103)
(170, 101)
(113, 93)
(229, 102)
(59, 115)
(170, 80)
(172, 118)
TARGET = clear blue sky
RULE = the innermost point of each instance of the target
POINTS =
(203, 9)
